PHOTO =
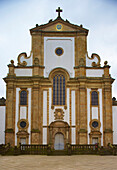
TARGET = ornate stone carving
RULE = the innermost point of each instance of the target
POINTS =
(94, 63)
(59, 114)
(36, 61)
(52, 107)
(22, 57)
(2, 101)
(12, 62)
(105, 63)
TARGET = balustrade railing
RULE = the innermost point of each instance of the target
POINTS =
(33, 149)
(84, 147)
(4, 148)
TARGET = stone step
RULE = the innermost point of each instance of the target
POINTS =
(59, 152)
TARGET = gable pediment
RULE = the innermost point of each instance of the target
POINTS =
(59, 25)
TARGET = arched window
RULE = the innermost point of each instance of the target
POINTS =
(23, 98)
(59, 90)
(94, 98)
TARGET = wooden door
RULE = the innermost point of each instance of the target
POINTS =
(23, 141)
(59, 141)
(94, 140)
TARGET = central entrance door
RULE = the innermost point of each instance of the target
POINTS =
(94, 140)
(59, 141)
(23, 141)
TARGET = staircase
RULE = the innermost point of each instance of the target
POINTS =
(58, 153)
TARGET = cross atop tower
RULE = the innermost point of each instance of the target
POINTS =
(59, 10)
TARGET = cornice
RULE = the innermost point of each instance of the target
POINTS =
(60, 20)
(62, 33)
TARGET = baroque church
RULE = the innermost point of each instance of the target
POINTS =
(58, 94)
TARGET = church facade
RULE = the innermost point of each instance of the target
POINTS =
(59, 94)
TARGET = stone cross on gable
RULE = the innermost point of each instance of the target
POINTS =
(59, 10)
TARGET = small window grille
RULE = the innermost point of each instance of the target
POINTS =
(94, 98)
(23, 98)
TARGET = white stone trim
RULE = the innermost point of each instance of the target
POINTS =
(114, 111)
(73, 135)
(45, 108)
(16, 114)
(2, 124)
(44, 136)
(23, 112)
(94, 112)
(29, 114)
(73, 115)
(101, 114)
(67, 116)
(59, 62)
(88, 113)
(23, 72)
(94, 72)
(50, 103)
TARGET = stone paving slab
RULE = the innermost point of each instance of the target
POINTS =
(78, 162)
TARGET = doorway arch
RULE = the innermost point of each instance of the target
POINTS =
(59, 141)
(58, 127)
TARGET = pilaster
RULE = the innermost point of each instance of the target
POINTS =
(35, 114)
(80, 48)
(10, 106)
(10, 114)
(38, 47)
(107, 115)
(108, 133)
(83, 113)
(38, 70)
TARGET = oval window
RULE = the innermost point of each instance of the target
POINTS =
(22, 124)
(59, 51)
(95, 124)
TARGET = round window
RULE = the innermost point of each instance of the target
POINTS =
(95, 124)
(22, 124)
(59, 51)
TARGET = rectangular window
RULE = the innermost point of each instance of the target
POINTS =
(94, 98)
(23, 98)
(59, 90)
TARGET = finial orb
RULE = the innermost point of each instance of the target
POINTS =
(12, 61)
(105, 63)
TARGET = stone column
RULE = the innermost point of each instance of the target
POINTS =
(80, 52)
(107, 117)
(10, 106)
(80, 48)
(35, 113)
(38, 47)
(82, 113)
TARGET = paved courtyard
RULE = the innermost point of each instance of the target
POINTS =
(79, 162)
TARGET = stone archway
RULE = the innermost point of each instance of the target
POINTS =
(59, 134)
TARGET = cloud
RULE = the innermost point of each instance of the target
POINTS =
(17, 17)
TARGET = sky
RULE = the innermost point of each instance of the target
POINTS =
(18, 16)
